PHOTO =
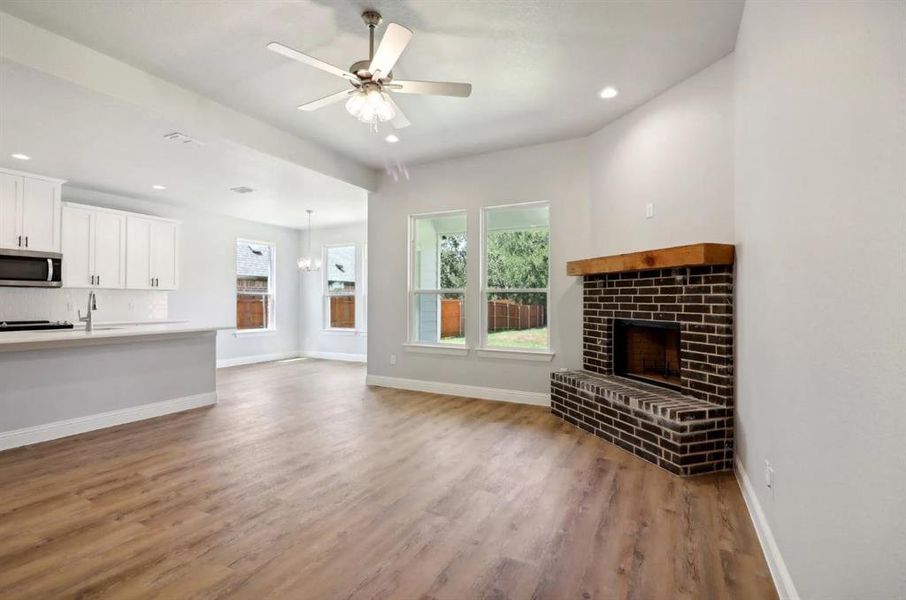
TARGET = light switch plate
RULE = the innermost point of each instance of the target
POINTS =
(649, 211)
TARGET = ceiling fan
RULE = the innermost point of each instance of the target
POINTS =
(372, 79)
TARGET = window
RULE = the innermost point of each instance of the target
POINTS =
(437, 279)
(340, 286)
(255, 285)
(515, 287)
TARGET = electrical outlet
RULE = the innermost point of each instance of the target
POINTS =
(649, 211)
(393, 359)
(768, 474)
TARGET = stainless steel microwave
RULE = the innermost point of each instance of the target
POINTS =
(28, 268)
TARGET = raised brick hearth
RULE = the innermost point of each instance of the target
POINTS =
(689, 431)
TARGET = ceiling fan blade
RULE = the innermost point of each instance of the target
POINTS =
(310, 61)
(431, 88)
(400, 120)
(395, 40)
(326, 100)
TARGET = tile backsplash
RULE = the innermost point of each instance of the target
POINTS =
(21, 304)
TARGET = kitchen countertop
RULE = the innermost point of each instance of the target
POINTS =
(104, 333)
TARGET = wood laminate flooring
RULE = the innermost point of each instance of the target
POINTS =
(303, 483)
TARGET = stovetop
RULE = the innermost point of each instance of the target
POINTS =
(33, 325)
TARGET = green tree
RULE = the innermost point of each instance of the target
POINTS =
(519, 259)
(453, 261)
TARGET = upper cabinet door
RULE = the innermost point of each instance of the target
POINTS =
(109, 250)
(10, 211)
(41, 215)
(78, 270)
(164, 256)
(138, 253)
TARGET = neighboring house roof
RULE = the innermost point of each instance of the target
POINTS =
(341, 263)
(253, 260)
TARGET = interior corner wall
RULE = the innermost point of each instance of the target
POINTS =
(820, 214)
(674, 152)
(207, 273)
(314, 337)
(555, 172)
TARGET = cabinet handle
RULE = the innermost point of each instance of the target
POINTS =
(92, 279)
(99, 280)
(20, 241)
(26, 241)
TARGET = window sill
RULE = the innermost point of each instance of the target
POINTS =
(513, 354)
(341, 331)
(448, 350)
(254, 332)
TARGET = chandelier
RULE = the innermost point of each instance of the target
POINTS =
(308, 263)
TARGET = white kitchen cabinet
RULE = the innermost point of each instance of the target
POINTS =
(30, 211)
(164, 243)
(77, 246)
(152, 253)
(138, 253)
(10, 199)
(109, 250)
(94, 248)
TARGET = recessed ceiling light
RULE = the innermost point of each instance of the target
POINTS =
(609, 92)
(392, 138)
(19, 156)
(159, 187)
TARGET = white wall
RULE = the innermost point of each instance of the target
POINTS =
(554, 172)
(315, 340)
(675, 152)
(821, 233)
(207, 273)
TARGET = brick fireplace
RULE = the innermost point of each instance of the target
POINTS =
(657, 376)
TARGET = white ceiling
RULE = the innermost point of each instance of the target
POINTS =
(105, 144)
(536, 67)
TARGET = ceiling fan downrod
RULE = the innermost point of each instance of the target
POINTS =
(372, 19)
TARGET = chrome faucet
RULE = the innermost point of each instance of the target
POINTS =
(92, 306)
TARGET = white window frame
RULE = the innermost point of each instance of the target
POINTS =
(412, 290)
(364, 286)
(271, 287)
(484, 349)
(327, 294)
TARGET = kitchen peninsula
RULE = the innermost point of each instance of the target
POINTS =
(59, 383)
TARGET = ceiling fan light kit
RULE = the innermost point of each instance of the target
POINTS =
(372, 79)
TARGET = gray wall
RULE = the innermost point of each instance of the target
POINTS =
(821, 289)
(675, 152)
(314, 339)
(554, 172)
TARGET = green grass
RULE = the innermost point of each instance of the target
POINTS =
(516, 338)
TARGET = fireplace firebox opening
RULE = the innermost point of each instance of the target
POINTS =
(648, 351)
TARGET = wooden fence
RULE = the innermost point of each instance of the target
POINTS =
(251, 312)
(342, 311)
(502, 315)
(452, 318)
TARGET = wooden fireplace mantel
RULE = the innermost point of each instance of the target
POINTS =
(693, 255)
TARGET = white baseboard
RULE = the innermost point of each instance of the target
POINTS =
(60, 429)
(257, 358)
(455, 389)
(781, 575)
(335, 356)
